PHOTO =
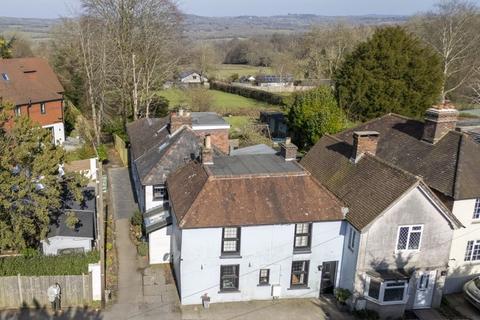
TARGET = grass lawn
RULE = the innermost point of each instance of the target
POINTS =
(224, 71)
(237, 123)
(223, 102)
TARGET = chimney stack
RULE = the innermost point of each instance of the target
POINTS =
(288, 150)
(180, 119)
(364, 141)
(207, 152)
(439, 120)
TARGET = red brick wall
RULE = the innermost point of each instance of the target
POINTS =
(53, 112)
(219, 138)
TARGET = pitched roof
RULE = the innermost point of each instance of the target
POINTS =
(201, 198)
(166, 155)
(450, 166)
(25, 80)
(367, 187)
(145, 133)
(85, 212)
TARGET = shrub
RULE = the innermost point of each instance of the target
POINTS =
(342, 295)
(39, 265)
(142, 249)
(137, 219)
(102, 153)
(259, 95)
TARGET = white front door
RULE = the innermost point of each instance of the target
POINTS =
(424, 288)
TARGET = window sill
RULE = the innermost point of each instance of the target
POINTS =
(230, 256)
(476, 221)
(302, 251)
(229, 291)
(384, 303)
(299, 288)
(263, 285)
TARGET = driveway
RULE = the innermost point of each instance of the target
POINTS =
(458, 302)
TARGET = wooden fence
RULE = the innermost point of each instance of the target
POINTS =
(17, 290)
(121, 148)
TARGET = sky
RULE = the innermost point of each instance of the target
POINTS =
(56, 8)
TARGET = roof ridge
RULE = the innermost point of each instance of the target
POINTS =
(393, 166)
(259, 175)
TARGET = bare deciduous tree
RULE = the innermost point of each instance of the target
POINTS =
(452, 30)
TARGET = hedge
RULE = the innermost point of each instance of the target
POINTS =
(259, 95)
(39, 265)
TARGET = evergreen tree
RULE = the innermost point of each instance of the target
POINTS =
(31, 183)
(312, 114)
(391, 72)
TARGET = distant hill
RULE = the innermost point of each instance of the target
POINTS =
(198, 27)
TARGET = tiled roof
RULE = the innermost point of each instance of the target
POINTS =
(26, 80)
(201, 199)
(367, 187)
(450, 166)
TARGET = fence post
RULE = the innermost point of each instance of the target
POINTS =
(19, 281)
(83, 287)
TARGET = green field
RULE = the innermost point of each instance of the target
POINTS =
(223, 102)
(225, 71)
(237, 123)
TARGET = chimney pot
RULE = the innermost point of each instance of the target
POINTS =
(439, 120)
(179, 119)
(288, 150)
(180, 112)
(364, 141)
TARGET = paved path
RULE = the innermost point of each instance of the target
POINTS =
(129, 295)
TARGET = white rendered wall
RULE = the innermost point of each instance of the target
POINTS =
(57, 243)
(149, 202)
(58, 132)
(268, 247)
(159, 245)
(459, 270)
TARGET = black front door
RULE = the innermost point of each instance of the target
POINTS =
(329, 273)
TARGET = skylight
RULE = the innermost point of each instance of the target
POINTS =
(5, 77)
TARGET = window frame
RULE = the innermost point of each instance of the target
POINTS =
(470, 251)
(410, 231)
(383, 288)
(43, 108)
(267, 277)
(352, 238)
(308, 235)
(476, 210)
(164, 195)
(18, 111)
(236, 278)
(306, 272)
(237, 240)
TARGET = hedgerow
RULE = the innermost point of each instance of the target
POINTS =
(39, 265)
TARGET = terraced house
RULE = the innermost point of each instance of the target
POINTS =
(254, 227)
(412, 189)
(33, 88)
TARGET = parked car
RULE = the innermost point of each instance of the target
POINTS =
(471, 290)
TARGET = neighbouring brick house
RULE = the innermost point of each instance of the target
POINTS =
(33, 88)
(158, 146)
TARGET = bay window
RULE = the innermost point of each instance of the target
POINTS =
(386, 291)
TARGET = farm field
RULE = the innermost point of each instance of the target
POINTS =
(223, 103)
(225, 71)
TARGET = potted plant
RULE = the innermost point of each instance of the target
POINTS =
(342, 295)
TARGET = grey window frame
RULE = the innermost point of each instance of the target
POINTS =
(235, 277)
(163, 197)
(305, 272)
(476, 210)
(266, 278)
(302, 234)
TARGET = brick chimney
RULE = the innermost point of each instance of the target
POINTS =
(288, 150)
(439, 120)
(364, 141)
(180, 119)
(207, 152)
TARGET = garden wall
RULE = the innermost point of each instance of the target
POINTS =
(121, 148)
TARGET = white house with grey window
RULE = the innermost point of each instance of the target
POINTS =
(254, 227)
(158, 146)
(400, 230)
